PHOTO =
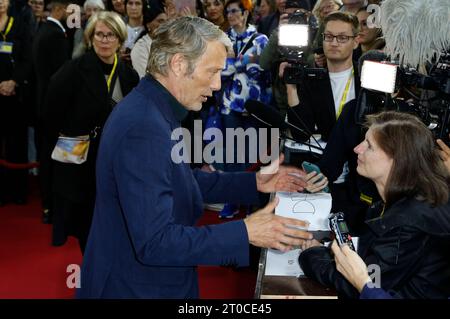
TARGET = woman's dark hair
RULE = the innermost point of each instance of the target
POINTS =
(364, 9)
(417, 170)
(110, 7)
(152, 10)
(272, 5)
(241, 6)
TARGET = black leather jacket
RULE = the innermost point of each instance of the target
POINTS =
(410, 243)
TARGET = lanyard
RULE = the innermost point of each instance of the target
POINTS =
(382, 212)
(344, 96)
(8, 28)
(108, 82)
(365, 198)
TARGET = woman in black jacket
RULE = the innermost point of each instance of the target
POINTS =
(407, 235)
(80, 97)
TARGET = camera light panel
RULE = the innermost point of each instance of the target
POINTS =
(379, 76)
(293, 35)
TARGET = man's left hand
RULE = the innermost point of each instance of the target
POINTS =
(278, 178)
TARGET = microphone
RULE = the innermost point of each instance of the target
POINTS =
(415, 31)
(271, 117)
(266, 114)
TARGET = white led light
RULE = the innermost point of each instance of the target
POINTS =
(293, 35)
(378, 76)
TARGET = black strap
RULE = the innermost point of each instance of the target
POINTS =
(248, 44)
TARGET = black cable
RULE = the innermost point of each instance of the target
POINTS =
(305, 128)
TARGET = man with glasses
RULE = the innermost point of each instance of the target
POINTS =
(318, 103)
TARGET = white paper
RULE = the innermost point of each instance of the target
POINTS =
(283, 264)
(314, 208)
(286, 264)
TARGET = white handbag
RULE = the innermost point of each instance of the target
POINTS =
(72, 150)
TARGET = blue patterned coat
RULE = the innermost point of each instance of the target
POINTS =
(241, 79)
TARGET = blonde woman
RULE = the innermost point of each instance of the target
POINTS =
(80, 97)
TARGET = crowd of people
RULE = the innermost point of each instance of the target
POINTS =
(102, 99)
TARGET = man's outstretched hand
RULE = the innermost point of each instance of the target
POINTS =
(280, 178)
(267, 230)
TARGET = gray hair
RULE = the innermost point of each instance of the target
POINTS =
(186, 35)
(112, 20)
(94, 3)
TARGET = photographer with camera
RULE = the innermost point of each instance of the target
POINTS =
(407, 232)
(271, 57)
(320, 102)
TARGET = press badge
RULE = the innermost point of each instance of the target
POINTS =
(6, 47)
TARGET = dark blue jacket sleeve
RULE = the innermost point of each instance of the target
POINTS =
(374, 293)
(238, 188)
(143, 170)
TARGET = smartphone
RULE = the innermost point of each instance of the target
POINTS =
(310, 167)
(340, 229)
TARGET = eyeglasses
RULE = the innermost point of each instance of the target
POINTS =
(110, 37)
(327, 37)
(232, 11)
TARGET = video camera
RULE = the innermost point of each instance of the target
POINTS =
(384, 78)
(294, 39)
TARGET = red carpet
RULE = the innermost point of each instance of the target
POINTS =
(31, 268)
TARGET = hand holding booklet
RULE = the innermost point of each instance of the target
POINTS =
(314, 208)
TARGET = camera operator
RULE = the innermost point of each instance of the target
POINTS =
(320, 102)
(269, 23)
(270, 58)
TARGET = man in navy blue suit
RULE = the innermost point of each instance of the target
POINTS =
(143, 241)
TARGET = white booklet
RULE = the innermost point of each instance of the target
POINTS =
(314, 208)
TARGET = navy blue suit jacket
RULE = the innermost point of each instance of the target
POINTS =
(143, 242)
